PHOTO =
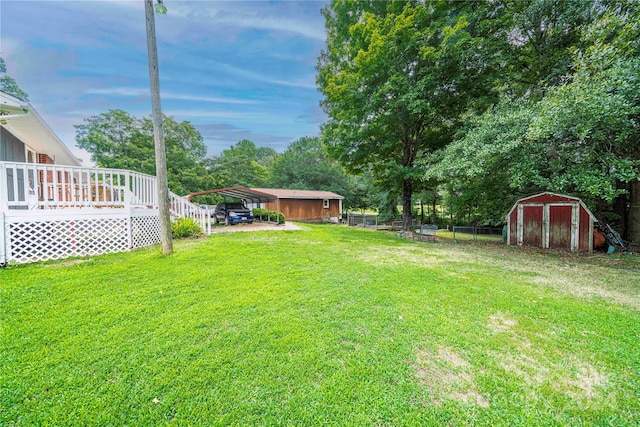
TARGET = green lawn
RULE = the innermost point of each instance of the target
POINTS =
(326, 326)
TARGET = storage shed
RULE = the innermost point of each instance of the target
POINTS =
(306, 205)
(551, 220)
(295, 205)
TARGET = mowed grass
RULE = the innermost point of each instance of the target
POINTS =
(469, 236)
(324, 326)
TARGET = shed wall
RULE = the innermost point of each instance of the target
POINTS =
(532, 225)
(550, 198)
(551, 221)
(305, 209)
(513, 227)
(560, 226)
(585, 231)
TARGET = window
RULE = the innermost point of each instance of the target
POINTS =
(325, 203)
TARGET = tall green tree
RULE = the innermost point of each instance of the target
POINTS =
(581, 136)
(590, 126)
(531, 42)
(8, 84)
(116, 139)
(396, 77)
(242, 164)
(304, 165)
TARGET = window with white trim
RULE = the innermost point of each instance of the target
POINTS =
(325, 203)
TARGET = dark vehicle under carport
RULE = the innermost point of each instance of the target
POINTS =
(232, 213)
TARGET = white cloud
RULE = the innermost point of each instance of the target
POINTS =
(134, 92)
(210, 114)
(236, 63)
(250, 15)
(305, 84)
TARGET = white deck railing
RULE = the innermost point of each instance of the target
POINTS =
(39, 186)
(53, 212)
(181, 207)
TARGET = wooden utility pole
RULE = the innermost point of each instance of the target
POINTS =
(158, 134)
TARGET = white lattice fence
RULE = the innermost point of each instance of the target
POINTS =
(39, 239)
(145, 231)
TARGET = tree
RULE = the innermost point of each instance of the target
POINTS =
(239, 165)
(485, 170)
(581, 136)
(531, 42)
(8, 85)
(119, 140)
(304, 165)
(361, 193)
(395, 77)
(590, 127)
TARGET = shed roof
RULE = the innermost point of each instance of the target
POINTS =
(23, 121)
(300, 194)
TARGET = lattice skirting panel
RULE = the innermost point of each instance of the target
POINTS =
(145, 231)
(32, 237)
(32, 241)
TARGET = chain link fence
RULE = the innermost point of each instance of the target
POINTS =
(484, 234)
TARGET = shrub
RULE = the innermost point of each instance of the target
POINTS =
(185, 227)
(262, 215)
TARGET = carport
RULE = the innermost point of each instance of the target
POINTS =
(245, 194)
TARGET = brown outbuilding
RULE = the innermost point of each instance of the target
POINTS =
(549, 220)
(305, 205)
(295, 205)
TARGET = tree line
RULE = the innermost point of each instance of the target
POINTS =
(117, 139)
(464, 104)
(480, 103)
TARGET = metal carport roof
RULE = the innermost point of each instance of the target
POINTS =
(243, 193)
(239, 192)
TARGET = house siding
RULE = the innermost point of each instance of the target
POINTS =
(11, 148)
(306, 209)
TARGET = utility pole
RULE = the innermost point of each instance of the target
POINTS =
(158, 134)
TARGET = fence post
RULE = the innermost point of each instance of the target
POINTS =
(129, 220)
(4, 181)
(3, 243)
(129, 189)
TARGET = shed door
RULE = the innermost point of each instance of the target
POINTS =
(561, 226)
(531, 234)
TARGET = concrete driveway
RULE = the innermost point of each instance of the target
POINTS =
(256, 226)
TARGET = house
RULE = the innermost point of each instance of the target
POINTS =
(305, 205)
(549, 220)
(53, 208)
(25, 137)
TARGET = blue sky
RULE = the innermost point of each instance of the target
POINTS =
(234, 69)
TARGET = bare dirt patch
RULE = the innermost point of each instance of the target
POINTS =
(586, 285)
(416, 255)
(589, 380)
(580, 279)
(500, 323)
(577, 378)
(447, 376)
(255, 227)
(68, 263)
